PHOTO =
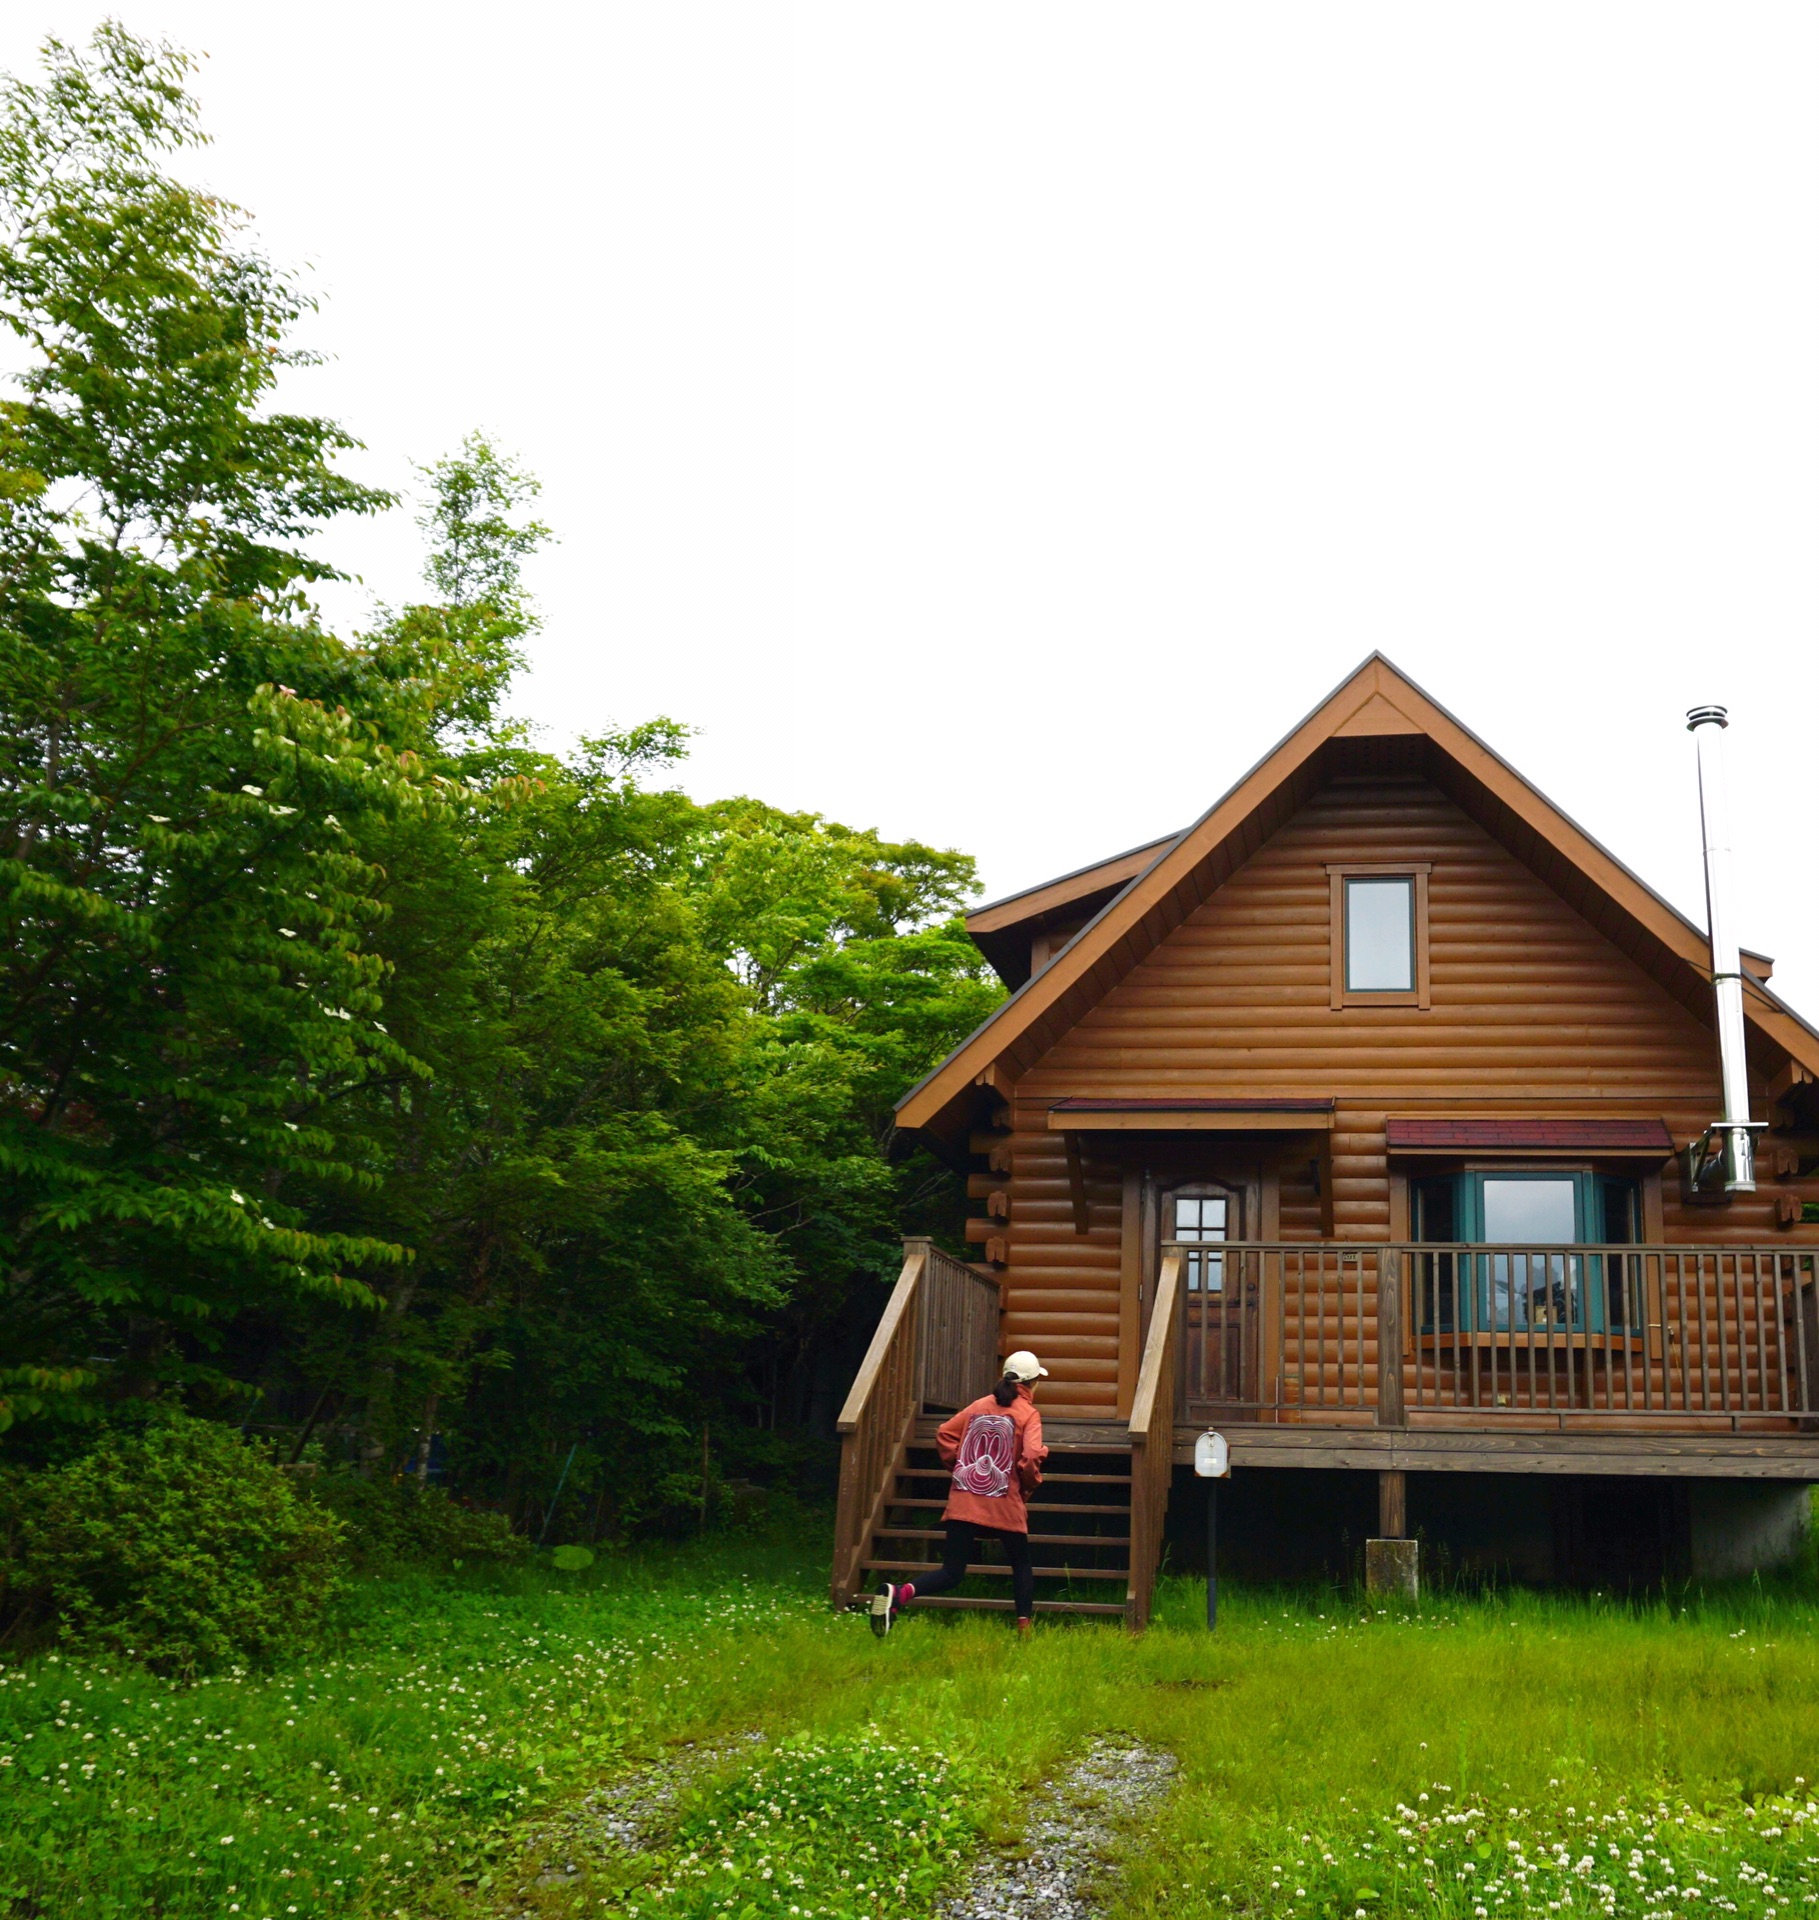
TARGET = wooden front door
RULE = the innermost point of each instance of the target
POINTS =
(1220, 1330)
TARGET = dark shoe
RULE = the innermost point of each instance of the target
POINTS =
(884, 1609)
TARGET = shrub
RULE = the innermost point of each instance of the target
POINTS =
(401, 1522)
(177, 1545)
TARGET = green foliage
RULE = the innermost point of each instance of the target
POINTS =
(635, 1151)
(458, 1731)
(183, 893)
(29, 1390)
(355, 1053)
(177, 1546)
(571, 1559)
(777, 888)
(1583, 1848)
(395, 1767)
(828, 1829)
(387, 1524)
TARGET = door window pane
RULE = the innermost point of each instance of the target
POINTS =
(1202, 1217)
(1380, 936)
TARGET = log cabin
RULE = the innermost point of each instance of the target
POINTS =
(1366, 1120)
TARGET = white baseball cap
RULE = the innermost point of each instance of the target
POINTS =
(1023, 1365)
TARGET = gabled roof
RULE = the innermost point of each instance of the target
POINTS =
(1001, 929)
(1376, 720)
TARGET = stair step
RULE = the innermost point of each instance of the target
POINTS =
(967, 1604)
(1048, 1479)
(1063, 1471)
(1000, 1571)
(1036, 1539)
(1035, 1506)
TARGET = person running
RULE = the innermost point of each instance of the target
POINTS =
(995, 1450)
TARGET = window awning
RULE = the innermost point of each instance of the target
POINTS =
(1191, 1116)
(1625, 1139)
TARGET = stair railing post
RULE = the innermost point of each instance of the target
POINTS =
(1152, 1437)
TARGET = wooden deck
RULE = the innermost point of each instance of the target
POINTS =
(1682, 1455)
(1718, 1349)
(1369, 1449)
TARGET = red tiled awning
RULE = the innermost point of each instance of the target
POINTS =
(1632, 1138)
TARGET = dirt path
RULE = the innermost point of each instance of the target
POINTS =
(1072, 1824)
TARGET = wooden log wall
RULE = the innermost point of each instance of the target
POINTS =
(1532, 1010)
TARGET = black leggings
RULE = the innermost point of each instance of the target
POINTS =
(962, 1548)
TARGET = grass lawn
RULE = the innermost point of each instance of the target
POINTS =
(1478, 1757)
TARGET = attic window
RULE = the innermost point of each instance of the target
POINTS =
(1379, 935)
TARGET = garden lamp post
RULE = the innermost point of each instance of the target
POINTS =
(1213, 1463)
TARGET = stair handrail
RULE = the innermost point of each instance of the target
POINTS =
(876, 1420)
(1152, 1437)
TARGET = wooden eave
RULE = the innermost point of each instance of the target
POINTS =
(1377, 716)
(1003, 929)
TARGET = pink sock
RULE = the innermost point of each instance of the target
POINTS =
(905, 1594)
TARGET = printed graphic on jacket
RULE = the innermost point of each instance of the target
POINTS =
(986, 1454)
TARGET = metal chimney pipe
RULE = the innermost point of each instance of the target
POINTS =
(1707, 725)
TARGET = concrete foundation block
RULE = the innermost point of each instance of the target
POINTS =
(1393, 1567)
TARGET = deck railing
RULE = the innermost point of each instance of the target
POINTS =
(938, 1338)
(1393, 1334)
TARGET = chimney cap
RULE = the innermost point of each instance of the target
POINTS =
(1707, 716)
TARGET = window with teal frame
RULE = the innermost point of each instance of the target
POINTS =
(1541, 1279)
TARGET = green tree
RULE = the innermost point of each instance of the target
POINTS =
(563, 1030)
(185, 974)
(361, 1060)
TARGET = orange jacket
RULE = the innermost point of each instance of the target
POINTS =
(996, 1454)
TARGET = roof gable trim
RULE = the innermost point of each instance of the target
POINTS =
(1376, 699)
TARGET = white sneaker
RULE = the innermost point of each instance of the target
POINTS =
(884, 1609)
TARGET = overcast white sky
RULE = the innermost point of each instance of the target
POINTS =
(999, 423)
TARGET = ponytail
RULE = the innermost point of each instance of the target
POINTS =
(1006, 1390)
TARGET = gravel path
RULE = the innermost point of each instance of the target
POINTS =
(1051, 1872)
(630, 1813)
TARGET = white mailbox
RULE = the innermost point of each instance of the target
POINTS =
(1212, 1457)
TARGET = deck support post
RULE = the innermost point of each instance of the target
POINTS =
(1392, 1561)
(1392, 1504)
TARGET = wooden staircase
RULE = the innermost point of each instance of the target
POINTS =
(1080, 1529)
(1095, 1522)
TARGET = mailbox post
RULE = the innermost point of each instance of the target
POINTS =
(1213, 1463)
